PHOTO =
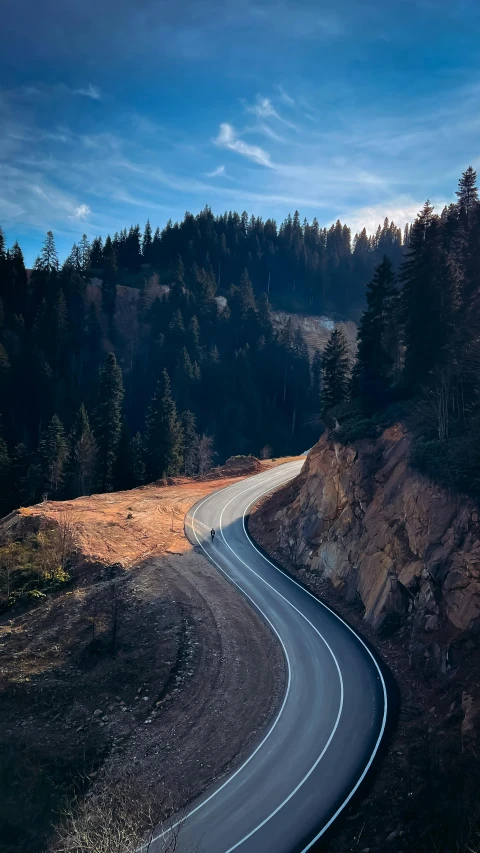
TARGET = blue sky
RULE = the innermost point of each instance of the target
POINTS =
(112, 112)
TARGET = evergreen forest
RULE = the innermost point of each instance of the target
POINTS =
(418, 355)
(107, 393)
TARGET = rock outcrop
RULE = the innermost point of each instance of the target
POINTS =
(379, 530)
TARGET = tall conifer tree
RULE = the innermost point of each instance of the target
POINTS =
(83, 455)
(53, 451)
(108, 419)
(109, 279)
(467, 194)
(374, 361)
(164, 436)
(335, 370)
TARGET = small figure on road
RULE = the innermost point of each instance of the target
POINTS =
(212, 534)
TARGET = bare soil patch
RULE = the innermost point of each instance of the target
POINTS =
(147, 658)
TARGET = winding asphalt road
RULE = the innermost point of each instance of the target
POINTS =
(316, 751)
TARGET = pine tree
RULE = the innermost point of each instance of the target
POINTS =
(374, 361)
(93, 336)
(5, 475)
(164, 436)
(193, 340)
(53, 454)
(247, 298)
(5, 368)
(176, 331)
(84, 253)
(429, 300)
(265, 318)
(48, 255)
(300, 378)
(183, 379)
(191, 441)
(316, 379)
(19, 474)
(73, 259)
(132, 253)
(108, 419)
(138, 460)
(123, 467)
(142, 303)
(335, 370)
(95, 261)
(19, 281)
(83, 453)
(147, 243)
(467, 194)
(156, 248)
(109, 279)
(58, 337)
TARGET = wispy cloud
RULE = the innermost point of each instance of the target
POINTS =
(347, 163)
(398, 210)
(228, 138)
(267, 131)
(220, 170)
(90, 91)
(54, 90)
(82, 211)
(263, 108)
(285, 97)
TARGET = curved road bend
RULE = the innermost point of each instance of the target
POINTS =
(318, 747)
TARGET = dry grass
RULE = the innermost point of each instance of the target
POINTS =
(127, 527)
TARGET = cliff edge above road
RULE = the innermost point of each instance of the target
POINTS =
(399, 558)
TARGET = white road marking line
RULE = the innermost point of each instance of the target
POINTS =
(385, 705)
(227, 781)
(340, 709)
(367, 767)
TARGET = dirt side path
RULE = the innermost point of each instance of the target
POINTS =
(148, 658)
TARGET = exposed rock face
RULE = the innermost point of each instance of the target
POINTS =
(364, 519)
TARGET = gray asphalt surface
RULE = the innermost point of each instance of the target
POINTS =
(318, 747)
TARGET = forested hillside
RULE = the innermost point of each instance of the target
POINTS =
(419, 347)
(89, 404)
(300, 266)
(107, 393)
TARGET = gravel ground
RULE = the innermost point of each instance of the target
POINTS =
(153, 662)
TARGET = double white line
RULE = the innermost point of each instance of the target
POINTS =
(277, 718)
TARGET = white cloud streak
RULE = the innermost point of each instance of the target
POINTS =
(90, 91)
(263, 108)
(285, 97)
(227, 138)
(220, 170)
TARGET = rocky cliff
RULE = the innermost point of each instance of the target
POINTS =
(399, 559)
(361, 517)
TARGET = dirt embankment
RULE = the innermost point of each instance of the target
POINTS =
(146, 658)
(354, 527)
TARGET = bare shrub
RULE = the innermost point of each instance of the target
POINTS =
(118, 816)
(39, 561)
(10, 561)
(56, 545)
(205, 453)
